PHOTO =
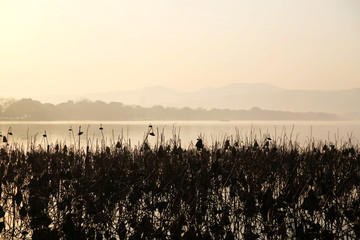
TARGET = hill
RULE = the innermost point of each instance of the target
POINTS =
(234, 96)
(31, 110)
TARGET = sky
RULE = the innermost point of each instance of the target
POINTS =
(50, 47)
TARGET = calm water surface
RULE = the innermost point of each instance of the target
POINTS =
(301, 131)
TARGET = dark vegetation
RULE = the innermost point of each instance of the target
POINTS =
(231, 190)
(30, 110)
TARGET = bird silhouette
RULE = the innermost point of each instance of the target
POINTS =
(101, 127)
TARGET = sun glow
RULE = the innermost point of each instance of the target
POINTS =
(88, 45)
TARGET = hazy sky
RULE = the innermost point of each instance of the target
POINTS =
(79, 46)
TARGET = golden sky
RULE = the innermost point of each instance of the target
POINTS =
(81, 46)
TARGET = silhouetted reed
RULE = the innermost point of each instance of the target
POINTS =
(234, 189)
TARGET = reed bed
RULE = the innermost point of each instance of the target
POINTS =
(232, 189)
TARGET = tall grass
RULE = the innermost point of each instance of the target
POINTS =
(236, 188)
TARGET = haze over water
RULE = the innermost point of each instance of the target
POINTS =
(75, 48)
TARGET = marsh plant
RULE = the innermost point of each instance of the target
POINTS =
(231, 189)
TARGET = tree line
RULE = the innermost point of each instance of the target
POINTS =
(32, 110)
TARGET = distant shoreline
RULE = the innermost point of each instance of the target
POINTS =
(31, 110)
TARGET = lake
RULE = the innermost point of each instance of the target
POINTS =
(336, 132)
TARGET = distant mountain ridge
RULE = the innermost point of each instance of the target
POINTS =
(30, 110)
(235, 96)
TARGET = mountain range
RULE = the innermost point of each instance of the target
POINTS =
(31, 110)
(235, 96)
